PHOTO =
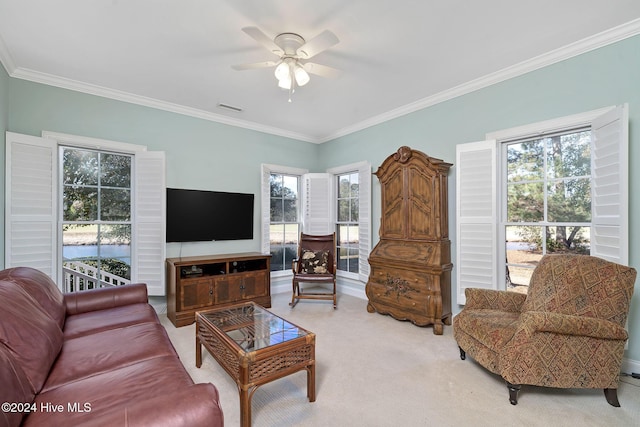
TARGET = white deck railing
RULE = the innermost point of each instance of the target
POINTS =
(81, 277)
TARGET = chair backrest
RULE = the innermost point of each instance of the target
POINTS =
(581, 285)
(317, 253)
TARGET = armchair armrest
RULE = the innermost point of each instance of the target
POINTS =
(294, 265)
(103, 298)
(494, 300)
(565, 324)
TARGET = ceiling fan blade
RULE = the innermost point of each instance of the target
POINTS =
(253, 66)
(321, 70)
(257, 34)
(321, 42)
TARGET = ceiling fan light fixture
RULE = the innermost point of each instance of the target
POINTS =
(301, 75)
(282, 70)
(286, 82)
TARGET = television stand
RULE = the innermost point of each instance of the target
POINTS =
(203, 282)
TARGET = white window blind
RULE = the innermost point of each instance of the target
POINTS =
(610, 188)
(476, 222)
(30, 203)
(150, 219)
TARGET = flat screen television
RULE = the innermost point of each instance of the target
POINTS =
(197, 215)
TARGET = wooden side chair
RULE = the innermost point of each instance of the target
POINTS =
(315, 265)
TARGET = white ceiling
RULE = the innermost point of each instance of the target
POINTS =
(396, 56)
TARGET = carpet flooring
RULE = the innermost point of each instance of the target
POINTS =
(372, 370)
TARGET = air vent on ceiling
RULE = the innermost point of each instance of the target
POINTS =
(230, 107)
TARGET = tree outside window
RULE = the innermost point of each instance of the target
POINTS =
(548, 201)
(284, 228)
(96, 212)
(347, 229)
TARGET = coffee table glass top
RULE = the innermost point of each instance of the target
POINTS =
(252, 327)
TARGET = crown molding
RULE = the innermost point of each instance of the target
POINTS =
(5, 57)
(588, 44)
(74, 85)
(596, 41)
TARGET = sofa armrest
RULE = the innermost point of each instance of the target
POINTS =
(494, 300)
(565, 324)
(104, 298)
(194, 406)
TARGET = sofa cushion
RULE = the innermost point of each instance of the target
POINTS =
(105, 351)
(41, 288)
(91, 322)
(110, 394)
(15, 388)
(33, 337)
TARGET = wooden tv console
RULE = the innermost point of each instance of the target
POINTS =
(203, 282)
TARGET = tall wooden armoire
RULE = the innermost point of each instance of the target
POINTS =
(411, 266)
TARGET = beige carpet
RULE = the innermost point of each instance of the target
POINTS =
(372, 370)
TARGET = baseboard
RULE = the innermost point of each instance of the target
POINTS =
(351, 287)
(630, 366)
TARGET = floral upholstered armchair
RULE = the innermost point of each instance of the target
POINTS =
(567, 332)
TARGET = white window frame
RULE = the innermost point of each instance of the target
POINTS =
(148, 196)
(266, 171)
(480, 259)
(318, 216)
(364, 223)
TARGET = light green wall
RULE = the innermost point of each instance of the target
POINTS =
(601, 78)
(200, 154)
(208, 155)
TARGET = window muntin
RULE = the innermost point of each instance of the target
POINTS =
(347, 221)
(96, 217)
(548, 200)
(284, 219)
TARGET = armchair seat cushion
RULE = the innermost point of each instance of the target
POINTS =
(491, 328)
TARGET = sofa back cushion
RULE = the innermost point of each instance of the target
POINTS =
(41, 288)
(33, 338)
(15, 388)
(581, 285)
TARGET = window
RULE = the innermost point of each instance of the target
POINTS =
(316, 199)
(347, 215)
(563, 187)
(127, 207)
(281, 215)
(547, 200)
(96, 218)
(284, 219)
(351, 216)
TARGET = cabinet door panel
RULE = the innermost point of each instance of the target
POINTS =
(255, 285)
(228, 289)
(196, 293)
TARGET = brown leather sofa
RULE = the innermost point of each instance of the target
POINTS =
(94, 358)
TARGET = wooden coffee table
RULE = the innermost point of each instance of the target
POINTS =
(255, 347)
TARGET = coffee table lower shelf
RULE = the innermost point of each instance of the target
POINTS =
(252, 368)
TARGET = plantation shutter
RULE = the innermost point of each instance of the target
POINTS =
(30, 203)
(265, 210)
(317, 203)
(364, 220)
(610, 189)
(149, 225)
(476, 216)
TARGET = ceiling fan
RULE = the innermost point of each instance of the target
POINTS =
(292, 68)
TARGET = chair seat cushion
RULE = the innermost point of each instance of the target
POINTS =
(492, 328)
(314, 262)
